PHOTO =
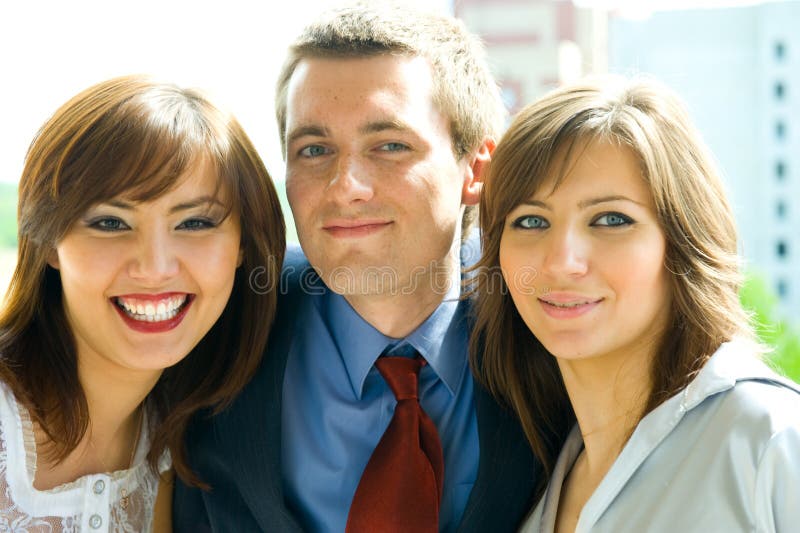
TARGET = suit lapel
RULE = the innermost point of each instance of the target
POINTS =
(256, 455)
(507, 470)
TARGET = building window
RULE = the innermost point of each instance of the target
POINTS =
(780, 130)
(783, 289)
(780, 210)
(780, 170)
(782, 249)
(780, 90)
(780, 50)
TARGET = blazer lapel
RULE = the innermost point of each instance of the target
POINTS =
(256, 467)
(507, 470)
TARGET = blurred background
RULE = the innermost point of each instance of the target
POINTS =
(735, 63)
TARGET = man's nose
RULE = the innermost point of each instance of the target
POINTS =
(350, 182)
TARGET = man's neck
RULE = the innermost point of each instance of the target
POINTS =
(399, 313)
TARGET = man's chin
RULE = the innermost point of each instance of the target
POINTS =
(363, 280)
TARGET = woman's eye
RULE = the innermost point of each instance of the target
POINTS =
(314, 150)
(531, 222)
(612, 219)
(194, 224)
(108, 224)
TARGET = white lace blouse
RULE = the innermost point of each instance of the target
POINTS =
(120, 501)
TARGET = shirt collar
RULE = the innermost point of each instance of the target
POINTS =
(733, 361)
(441, 339)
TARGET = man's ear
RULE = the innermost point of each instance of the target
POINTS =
(473, 179)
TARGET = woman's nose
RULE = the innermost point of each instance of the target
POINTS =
(154, 261)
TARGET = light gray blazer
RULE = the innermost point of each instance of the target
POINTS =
(722, 455)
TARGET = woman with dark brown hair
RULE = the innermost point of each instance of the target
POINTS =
(615, 330)
(143, 210)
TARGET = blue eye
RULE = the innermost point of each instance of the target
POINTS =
(393, 147)
(108, 224)
(531, 222)
(612, 219)
(314, 150)
(194, 224)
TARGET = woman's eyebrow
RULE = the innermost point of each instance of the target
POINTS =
(583, 204)
(196, 202)
(183, 206)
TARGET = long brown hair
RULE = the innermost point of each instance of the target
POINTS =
(693, 213)
(137, 136)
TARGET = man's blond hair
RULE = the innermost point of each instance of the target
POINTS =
(464, 89)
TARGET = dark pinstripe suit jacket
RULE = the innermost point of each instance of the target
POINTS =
(238, 452)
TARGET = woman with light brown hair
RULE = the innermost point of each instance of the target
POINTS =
(615, 331)
(143, 210)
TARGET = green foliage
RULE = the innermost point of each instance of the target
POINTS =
(784, 337)
(8, 215)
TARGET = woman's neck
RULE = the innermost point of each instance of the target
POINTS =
(608, 395)
(114, 398)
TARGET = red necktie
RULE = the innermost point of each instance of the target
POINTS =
(401, 487)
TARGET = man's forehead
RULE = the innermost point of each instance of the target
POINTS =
(357, 72)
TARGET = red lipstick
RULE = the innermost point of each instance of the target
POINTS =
(158, 326)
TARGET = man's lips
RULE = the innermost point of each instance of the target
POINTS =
(355, 228)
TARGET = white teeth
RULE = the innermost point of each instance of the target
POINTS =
(153, 312)
(570, 304)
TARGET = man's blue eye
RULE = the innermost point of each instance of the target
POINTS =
(612, 219)
(393, 147)
(314, 150)
(531, 222)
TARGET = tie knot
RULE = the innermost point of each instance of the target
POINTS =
(401, 374)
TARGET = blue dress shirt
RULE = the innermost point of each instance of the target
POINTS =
(336, 405)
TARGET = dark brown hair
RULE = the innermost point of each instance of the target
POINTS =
(464, 90)
(135, 136)
(693, 213)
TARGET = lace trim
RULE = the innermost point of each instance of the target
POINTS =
(132, 491)
(28, 440)
(124, 477)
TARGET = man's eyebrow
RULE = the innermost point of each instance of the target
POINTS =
(302, 131)
(383, 125)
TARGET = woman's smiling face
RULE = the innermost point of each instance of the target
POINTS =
(144, 282)
(584, 263)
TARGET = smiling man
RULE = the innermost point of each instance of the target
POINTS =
(365, 416)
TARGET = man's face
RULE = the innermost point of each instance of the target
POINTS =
(371, 176)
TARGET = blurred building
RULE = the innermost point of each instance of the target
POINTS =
(534, 45)
(738, 69)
